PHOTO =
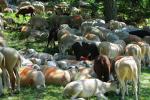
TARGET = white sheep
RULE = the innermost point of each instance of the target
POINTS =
(78, 90)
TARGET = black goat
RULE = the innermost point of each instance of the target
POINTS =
(140, 33)
(29, 9)
(52, 37)
(87, 50)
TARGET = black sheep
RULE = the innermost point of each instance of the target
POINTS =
(29, 9)
(87, 50)
(140, 33)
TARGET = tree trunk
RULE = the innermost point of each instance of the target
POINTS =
(110, 10)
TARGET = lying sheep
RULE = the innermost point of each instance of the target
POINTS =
(77, 90)
(113, 24)
(57, 76)
(31, 77)
(39, 7)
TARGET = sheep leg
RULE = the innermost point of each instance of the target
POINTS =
(75, 95)
(127, 92)
(6, 79)
(135, 89)
(101, 95)
(12, 78)
(17, 79)
(123, 87)
(1, 85)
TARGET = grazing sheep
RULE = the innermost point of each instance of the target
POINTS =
(145, 51)
(77, 90)
(127, 69)
(26, 10)
(102, 67)
(135, 51)
(39, 23)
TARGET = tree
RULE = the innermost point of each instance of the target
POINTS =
(110, 10)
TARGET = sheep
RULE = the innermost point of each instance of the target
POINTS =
(126, 69)
(39, 7)
(3, 4)
(57, 76)
(25, 10)
(39, 23)
(25, 3)
(77, 90)
(4, 76)
(147, 39)
(145, 52)
(116, 24)
(8, 10)
(112, 50)
(31, 77)
(12, 63)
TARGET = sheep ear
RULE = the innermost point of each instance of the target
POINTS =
(76, 67)
(69, 68)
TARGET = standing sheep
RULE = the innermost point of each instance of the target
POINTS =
(12, 62)
(26, 10)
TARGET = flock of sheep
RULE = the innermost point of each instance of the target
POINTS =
(120, 52)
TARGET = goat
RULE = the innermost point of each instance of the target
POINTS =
(26, 10)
